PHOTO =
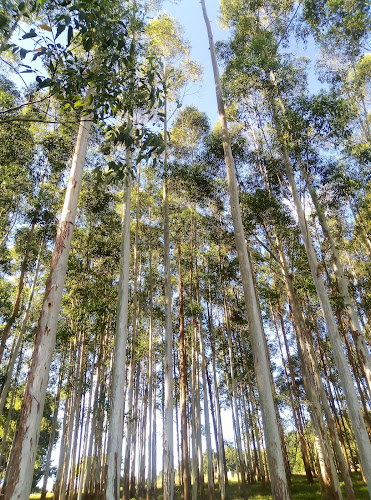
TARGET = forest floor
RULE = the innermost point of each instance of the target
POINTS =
(301, 490)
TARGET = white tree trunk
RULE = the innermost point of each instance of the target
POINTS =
(21, 466)
(116, 419)
(150, 478)
(210, 470)
(276, 462)
(354, 408)
(168, 473)
(355, 327)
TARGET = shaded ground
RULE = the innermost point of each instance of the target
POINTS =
(301, 490)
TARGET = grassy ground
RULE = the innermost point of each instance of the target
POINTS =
(301, 490)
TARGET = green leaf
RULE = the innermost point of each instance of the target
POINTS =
(23, 53)
(60, 29)
(69, 34)
(30, 34)
(79, 103)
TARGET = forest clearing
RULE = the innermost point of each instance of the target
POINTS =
(185, 305)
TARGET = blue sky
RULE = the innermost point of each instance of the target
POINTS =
(189, 15)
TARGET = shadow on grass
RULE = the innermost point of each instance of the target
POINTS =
(301, 490)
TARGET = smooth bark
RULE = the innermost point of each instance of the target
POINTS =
(276, 462)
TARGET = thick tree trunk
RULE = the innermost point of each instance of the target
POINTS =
(276, 462)
(20, 468)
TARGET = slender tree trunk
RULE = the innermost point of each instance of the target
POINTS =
(293, 394)
(168, 470)
(324, 452)
(154, 436)
(210, 470)
(355, 413)
(130, 419)
(80, 400)
(234, 402)
(116, 420)
(53, 432)
(222, 460)
(17, 302)
(21, 465)
(150, 480)
(142, 442)
(197, 414)
(14, 355)
(195, 469)
(355, 327)
(86, 467)
(136, 432)
(279, 484)
(10, 411)
(183, 388)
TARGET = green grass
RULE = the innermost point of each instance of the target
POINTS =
(301, 490)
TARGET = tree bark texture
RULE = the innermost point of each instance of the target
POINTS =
(20, 468)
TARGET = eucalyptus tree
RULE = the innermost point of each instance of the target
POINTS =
(280, 487)
(166, 37)
(95, 24)
(188, 129)
(269, 80)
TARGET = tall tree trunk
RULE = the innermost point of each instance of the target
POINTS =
(183, 388)
(17, 302)
(10, 411)
(136, 431)
(53, 431)
(294, 403)
(116, 420)
(19, 341)
(168, 470)
(355, 412)
(210, 470)
(21, 465)
(355, 327)
(276, 462)
(222, 459)
(86, 469)
(150, 480)
(154, 436)
(322, 446)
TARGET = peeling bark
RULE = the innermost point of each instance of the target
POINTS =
(21, 465)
